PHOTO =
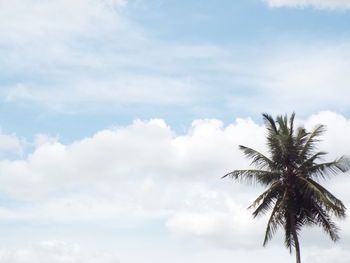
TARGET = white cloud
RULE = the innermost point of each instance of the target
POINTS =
(53, 251)
(224, 224)
(305, 78)
(88, 55)
(275, 79)
(86, 93)
(319, 4)
(150, 149)
(44, 40)
(11, 143)
(334, 255)
(75, 56)
(228, 226)
(145, 171)
(98, 60)
(26, 22)
(126, 70)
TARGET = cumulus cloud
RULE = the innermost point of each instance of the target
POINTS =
(209, 224)
(148, 149)
(224, 225)
(53, 251)
(145, 171)
(319, 4)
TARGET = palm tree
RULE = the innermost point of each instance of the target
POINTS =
(291, 175)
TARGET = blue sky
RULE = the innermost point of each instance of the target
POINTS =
(118, 118)
(218, 50)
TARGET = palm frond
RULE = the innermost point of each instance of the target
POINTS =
(275, 220)
(270, 123)
(258, 159)
(310, 161)
(283, 125)
(309, 145)
(288, 239)
(329, 195)
(326, 223)
(291, 124)
(312, 191)
(300, 138)
(324, 170)
(254, 176)
(264, 202)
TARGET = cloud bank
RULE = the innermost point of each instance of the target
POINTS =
(145, 171)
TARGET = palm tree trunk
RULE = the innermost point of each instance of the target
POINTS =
(296, 240)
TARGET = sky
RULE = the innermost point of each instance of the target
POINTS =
(119, 117)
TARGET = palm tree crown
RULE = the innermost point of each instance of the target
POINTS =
(291, 175)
